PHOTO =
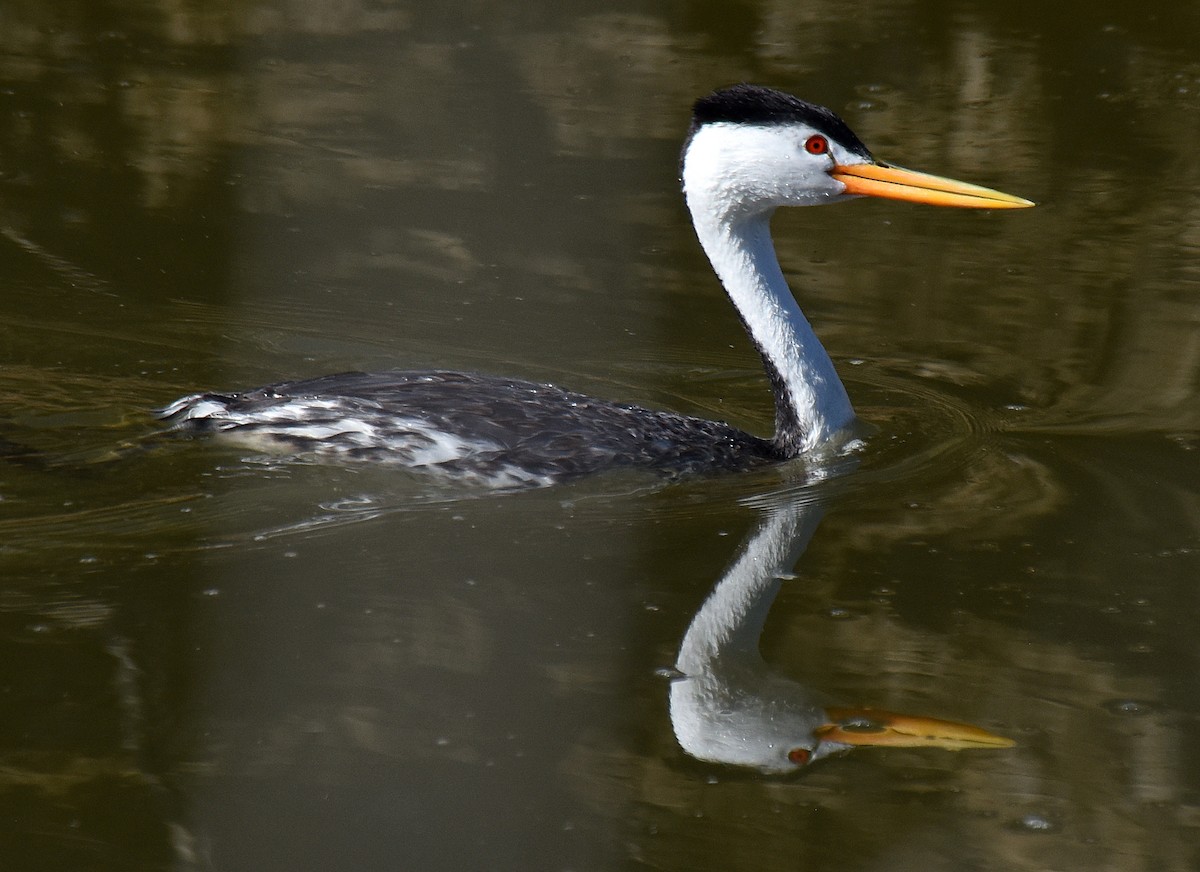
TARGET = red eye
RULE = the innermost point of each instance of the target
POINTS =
(816, 144)
(800, 756)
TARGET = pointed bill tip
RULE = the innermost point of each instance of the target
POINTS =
(894, 183)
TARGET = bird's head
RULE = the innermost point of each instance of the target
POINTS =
(752, 149)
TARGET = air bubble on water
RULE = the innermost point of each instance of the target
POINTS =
(1036, 823)
(1129, 707)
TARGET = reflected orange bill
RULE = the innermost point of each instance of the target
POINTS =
(866, 726)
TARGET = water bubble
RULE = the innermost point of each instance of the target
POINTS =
(1186, 441)
(1129, 707)
(1036, 823)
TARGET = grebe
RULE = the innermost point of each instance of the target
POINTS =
(749, 150)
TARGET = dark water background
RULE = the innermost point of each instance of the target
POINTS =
(209, 661)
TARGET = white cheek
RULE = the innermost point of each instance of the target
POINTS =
(738, 169)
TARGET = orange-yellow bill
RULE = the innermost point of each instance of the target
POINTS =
(866, 726)
(893, 183)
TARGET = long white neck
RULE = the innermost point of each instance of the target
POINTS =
(811, 404)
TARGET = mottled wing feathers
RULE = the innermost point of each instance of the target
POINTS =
(497, 429)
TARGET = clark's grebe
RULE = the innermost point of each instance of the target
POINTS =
(750, 150)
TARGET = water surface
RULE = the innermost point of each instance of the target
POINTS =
(215, 661)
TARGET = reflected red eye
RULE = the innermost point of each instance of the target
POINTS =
(800, 756)
(816, 144)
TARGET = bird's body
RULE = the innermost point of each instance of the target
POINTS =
(501, 431)
(749, 150)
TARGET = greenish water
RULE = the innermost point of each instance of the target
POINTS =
(208, 661)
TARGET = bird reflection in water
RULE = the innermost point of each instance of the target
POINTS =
(728, 706)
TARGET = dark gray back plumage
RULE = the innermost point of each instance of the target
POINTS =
(544, 431)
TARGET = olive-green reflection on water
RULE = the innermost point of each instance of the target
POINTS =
(215, 663)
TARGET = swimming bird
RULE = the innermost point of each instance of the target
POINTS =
(749, 150)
